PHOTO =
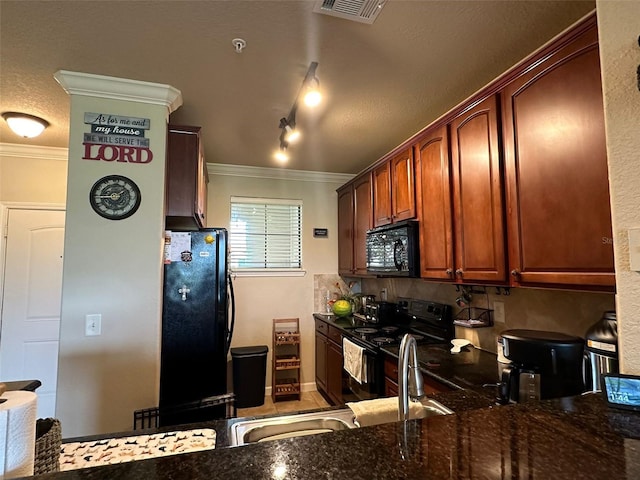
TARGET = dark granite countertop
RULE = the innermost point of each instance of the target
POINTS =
(28, 385)
(577, 437)
(472, 368)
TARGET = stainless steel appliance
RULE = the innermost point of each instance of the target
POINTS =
(601, 354)
(543, 365)
(196, 325)
(392, 250)
(429, 322)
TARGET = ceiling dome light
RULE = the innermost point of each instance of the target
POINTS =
(26, 126)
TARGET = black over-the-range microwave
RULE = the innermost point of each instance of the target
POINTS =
(392, 250)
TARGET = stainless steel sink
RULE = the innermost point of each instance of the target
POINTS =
(431, 407)
(275, 428)
(297, 425)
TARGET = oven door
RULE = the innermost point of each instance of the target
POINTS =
(372, 382)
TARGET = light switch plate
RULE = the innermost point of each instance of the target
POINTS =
(93, 325)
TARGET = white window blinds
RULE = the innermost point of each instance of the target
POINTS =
(265, 233)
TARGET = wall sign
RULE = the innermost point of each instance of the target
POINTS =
(321, 232)
(116, 138)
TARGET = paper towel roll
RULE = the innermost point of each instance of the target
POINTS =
(17, 434)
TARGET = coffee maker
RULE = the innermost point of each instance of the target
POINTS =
(601, 350)
(543, 365)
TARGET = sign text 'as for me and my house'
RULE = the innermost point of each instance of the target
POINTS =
(116, 138)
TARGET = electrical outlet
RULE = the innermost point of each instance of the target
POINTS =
(498, 312)
(383, 295)
(93, 325)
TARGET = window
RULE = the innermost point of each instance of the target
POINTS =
(265, 234)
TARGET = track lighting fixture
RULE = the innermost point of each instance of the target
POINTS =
(25, 125)
(291, 135)
(310, 93)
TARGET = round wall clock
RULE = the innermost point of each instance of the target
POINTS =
(115, 197)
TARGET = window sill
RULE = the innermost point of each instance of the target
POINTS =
(268, 273)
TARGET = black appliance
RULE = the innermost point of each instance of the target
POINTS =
(196, 326)
(380, 312)
(429, 322)
(392, 250)
(543, 365)
(601, 350)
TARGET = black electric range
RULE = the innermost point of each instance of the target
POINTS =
(428, 322)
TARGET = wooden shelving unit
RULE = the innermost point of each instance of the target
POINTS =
(286, 359)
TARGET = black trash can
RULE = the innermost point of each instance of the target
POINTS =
(249, 375)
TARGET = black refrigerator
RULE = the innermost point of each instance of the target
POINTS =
(197, 324)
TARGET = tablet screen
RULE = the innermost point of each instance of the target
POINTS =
(622, 391)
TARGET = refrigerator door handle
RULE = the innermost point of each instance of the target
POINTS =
(233, 315)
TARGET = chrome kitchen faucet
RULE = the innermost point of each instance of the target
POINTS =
(410, 383)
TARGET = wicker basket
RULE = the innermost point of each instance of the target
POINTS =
(48, 443)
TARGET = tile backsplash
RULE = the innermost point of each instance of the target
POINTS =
(536, 309)
(325, 288)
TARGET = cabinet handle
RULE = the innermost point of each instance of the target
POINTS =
(515, 273)
(459, 272)
(449, 272)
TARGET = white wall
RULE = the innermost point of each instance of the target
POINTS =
(261, 299)
(112, 268)
(619, 28)
(33, 175)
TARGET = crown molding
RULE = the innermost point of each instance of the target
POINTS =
(59, 153)
(33, 152)
(277, 173)
(91, 85)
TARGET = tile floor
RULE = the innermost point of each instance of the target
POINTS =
(308, 401)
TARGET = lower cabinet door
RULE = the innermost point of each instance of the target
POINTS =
(390, 388)
(321, 362)
(334, 372)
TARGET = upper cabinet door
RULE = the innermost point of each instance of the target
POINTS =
(477, 195)
(394, 196)
(382, 195)
(434, 205)
(361, 222)
(186, 179)
(345, 230)
(556, 167)
(403, 195)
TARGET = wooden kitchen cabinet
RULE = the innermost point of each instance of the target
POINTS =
(329, 362)
(354, 219)
(556, 169)
(431, 386)
(478, 211)
(394, 190)
(186, 179)
(435, 204)
(345, 230)
(321, 361)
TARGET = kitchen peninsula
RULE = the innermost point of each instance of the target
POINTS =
(576, 437)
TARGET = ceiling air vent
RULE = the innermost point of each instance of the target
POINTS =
(364, 11)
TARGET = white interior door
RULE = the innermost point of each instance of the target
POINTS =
(30, 326)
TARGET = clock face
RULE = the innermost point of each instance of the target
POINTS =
(115, 197)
